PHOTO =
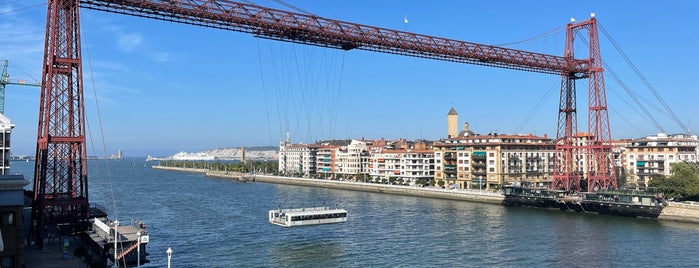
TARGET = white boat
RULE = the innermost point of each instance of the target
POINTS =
(307, 216)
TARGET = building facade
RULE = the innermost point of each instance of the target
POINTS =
(297, 159)
(490, 161)
(654, 155)
(11, 204)
(405, 166)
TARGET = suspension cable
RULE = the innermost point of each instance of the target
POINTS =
(531, 38)
(645, 81)
(646, 114)
(536, 108)
(101, 130)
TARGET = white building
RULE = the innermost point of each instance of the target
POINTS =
(654, 155)
(297, 159)
(6, 129)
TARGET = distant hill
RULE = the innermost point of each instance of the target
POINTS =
(251, 153)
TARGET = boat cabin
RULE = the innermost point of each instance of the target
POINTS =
(307, 216)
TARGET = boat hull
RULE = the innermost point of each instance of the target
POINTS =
(620, 204)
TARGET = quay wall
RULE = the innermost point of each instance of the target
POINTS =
(675, 211)
(679, 211)
(431, 192)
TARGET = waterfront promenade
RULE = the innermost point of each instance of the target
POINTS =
(675, 211)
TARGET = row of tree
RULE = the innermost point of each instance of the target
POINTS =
(683, 184)
(269, 167)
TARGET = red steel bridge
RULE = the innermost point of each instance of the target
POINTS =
(60, 182)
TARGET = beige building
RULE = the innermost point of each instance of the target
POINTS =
(654, 155)
(350, 159)
(491, 161)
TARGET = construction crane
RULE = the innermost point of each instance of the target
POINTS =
(5, 80)
(60, 182)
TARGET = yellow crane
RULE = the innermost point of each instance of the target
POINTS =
(5, 80)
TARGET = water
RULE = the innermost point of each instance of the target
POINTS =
(220, 223)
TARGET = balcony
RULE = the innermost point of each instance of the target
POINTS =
(477, 172)
(478, 165)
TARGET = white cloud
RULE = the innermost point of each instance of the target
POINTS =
(128, 42)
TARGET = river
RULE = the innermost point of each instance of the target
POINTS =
(212, 222)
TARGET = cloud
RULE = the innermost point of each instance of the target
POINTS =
(128, 42)
(133, 42)
(23, 42)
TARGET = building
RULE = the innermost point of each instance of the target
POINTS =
(654, 155)
(297, 159)
(350, 159)
(490, 161)
(11, 203)
(325, 160)
(452, 123)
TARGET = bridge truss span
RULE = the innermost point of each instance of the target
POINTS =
(287, 26)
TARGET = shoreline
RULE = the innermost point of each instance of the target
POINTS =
(675, 211)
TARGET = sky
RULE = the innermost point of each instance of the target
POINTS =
(158, 88)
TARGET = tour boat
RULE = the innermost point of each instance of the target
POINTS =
(307, 216)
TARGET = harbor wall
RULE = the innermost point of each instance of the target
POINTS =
(684, 212)
(675, 211)
(431, 192)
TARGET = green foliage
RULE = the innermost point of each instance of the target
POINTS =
(257, 166)
(622, 177)
(683, 183)
(440, 183)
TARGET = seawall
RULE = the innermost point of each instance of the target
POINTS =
(431, 192)
(684, 212)
(675, 211)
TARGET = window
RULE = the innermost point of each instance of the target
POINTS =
(7, 218)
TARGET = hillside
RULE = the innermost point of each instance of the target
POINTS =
(251, 153)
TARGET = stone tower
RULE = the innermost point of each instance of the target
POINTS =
(452, 123)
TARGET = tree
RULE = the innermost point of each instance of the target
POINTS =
(440, 183)
(683, 183)
(622, 177)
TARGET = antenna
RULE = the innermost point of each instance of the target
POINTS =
(405, 19)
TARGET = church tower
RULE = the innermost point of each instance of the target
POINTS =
(452, 123)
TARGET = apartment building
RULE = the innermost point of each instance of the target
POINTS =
(297, 159)
(490, 161)
(654, 155)
(403, 165)
(350, 159)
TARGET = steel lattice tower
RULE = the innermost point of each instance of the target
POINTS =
(60, 172)
(589, 153)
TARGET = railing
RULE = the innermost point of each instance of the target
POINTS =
(126, 251)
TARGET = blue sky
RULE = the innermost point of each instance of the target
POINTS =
(163, 87)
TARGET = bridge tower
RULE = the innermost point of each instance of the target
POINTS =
(60, 201)
(590, 154)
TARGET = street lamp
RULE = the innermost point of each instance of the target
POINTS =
(169, 256)
(138, 249)
(116, 235)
